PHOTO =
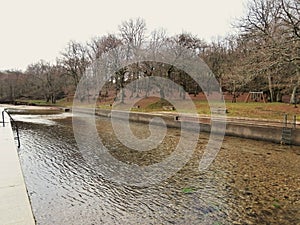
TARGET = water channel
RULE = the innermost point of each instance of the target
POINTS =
(250, 182)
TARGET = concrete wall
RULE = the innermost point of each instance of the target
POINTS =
(271, 133)
(264, 133)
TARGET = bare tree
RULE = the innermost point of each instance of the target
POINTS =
(290, 22)
(260, 26)
(272, 29)
(46, 81)
(12, 83)
(100, 45)
(132, 32)
(75, 60)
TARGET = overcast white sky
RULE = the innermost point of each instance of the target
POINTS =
(39, 29)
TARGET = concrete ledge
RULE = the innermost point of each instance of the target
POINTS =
(15, 206)
(239, 127)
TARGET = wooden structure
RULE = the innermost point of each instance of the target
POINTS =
(255, 96)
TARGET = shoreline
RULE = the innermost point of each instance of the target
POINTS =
(26, 109)
(30, 107)
(249, 128)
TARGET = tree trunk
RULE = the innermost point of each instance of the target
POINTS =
(234, 93)
(11, 94)
(48, 98)
(293, 96)
(122, 95)
(271, 88)
(278, 97)
(53, 99)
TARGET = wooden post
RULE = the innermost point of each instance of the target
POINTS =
(247, 98)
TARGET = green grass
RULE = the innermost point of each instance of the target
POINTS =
(268, 111)
(34, 102)
(276, 205)
(255, 110)
(158, 105)
(187, 190)
(42, 102)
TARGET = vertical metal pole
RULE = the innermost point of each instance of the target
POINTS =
(18, 137)
(295, 121)
(3, 122)
(285, 120)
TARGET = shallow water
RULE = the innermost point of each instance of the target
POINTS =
(250, 182)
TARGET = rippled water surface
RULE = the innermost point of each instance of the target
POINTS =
(250, 182)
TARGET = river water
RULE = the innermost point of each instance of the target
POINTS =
(250, 182)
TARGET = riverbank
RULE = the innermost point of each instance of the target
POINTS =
(27, 109)
(257, 129)
(240, 109)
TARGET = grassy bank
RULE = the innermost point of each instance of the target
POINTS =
(269, 111)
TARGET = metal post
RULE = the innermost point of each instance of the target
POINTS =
(18, 137)
(13, 123)
(3, 122)
(295, 121)
(285, 120)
